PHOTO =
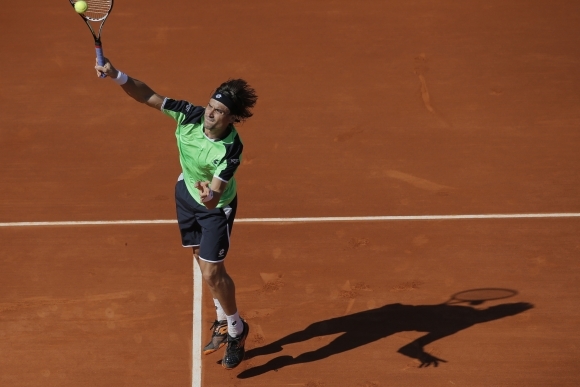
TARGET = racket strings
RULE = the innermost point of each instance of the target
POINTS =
(98, 10)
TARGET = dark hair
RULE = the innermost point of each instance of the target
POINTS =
(242, 95)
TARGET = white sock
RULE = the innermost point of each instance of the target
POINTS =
(235, 325)
(221, 315)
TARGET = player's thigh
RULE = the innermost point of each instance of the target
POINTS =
(185, 205)
(217, 227)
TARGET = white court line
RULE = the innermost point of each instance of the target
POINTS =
(302, 220)
(196, 334)
(407, 217)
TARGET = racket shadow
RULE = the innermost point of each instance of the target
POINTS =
(358, 329)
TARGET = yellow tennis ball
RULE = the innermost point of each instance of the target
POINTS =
(81, 6)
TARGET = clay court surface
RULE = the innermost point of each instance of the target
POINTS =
(366, 109)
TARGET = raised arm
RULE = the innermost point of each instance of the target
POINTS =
(136, 89)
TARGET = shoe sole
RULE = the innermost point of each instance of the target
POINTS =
(208, 351)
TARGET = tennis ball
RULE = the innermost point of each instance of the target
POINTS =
(81, 6)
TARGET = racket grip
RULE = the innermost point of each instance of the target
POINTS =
(100, 56)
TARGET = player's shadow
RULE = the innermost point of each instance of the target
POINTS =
(362, 328)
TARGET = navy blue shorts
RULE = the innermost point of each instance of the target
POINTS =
(208, 229)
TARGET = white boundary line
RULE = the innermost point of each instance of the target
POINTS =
(302, 220)
(196, 333)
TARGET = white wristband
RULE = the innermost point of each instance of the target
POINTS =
(208, 197)
(121, 79)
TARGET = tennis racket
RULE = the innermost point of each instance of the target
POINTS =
(479, 296)
(96, 14)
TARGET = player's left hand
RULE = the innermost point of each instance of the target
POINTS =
(203, 188)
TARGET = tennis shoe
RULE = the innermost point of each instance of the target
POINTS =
(235, 351)
(218, 337)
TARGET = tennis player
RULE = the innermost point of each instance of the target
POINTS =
(210, 152)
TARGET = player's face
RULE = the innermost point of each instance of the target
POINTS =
(217, 116)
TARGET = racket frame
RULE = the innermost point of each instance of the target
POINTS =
(97, 37)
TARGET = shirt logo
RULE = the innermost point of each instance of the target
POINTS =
(215, 162)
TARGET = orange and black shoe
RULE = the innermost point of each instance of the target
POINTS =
(219, 336)
(235, 351)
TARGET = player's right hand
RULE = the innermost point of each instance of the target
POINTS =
(106, 69)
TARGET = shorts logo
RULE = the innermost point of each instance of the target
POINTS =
(218, 95)
(235, 161)
(222, 253)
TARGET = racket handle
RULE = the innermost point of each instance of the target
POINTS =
(100, 56)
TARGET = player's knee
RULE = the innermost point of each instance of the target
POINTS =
(213, 274)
